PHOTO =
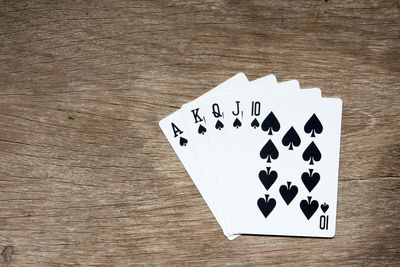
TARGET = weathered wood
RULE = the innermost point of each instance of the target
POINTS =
(86, 176)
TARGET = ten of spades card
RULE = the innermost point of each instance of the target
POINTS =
(219, 151)
(288, 178)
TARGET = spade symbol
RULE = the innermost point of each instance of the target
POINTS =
(237, 123)
(266, 205)
(255, 123)
(183, 141)
(324, 207)
(269, 151)
(270, 124)
(202, 129)
(313, 126)
(219, 125)
(310, 180)
(309, 207)
(291, 138)
(267, 178)
(288, 192)
(312, 153)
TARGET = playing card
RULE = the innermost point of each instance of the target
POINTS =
(175, 130)
(225, 137)
(199, 128)
(213, 155)
(288, 177)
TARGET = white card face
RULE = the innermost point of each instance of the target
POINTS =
(218, 151)
(177, 134)
(175, 131)
(199, 128)
(241, 123)
(289, 173)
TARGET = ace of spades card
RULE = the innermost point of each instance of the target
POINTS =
(288, 178)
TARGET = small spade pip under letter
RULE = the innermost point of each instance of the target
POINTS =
(183, 141)
(237, 123)
(219, 125)
(255, 123)
(202, 129)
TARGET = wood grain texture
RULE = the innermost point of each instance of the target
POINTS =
(86, 176)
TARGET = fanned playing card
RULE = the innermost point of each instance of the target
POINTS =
(218, 149)
(214, 154)
(201, 122)
(289, 172)
(249, 120)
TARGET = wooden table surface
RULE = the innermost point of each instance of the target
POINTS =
(86, 175)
